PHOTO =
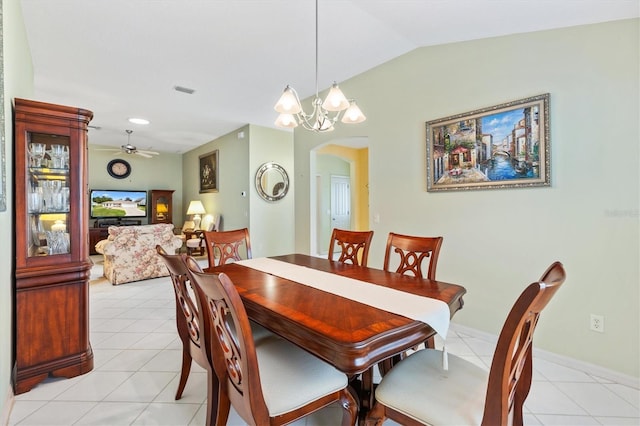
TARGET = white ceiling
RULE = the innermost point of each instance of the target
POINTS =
(122, 58)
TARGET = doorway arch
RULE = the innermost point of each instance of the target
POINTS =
(354, 153)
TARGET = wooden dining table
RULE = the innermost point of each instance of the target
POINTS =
(350, 335)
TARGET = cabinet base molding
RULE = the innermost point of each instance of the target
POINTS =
(67, 367)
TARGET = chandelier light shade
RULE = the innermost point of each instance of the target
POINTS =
(324, 114)
(196, 209)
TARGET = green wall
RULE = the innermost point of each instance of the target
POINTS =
(496, 242)
(240, 154)
(233, 161)
(160, 172)
(271, 223)
(18, 83)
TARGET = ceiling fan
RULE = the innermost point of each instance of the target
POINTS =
(130, 149)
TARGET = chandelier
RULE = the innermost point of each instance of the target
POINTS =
(324, 114)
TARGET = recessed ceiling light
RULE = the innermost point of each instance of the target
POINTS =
(138, 121)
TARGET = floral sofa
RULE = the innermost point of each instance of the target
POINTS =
(130, 252)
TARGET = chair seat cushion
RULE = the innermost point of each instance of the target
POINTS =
(291, 377)
(420, 388)
(196, 242)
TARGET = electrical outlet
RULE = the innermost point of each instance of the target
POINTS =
(597, 323)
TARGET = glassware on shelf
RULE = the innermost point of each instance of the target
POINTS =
(36, 200)
(65, 157)
(64, 192)
(47, 195)
(57, 242)
(57, 156)
(36, 153)
(58, 204)
(53, 199)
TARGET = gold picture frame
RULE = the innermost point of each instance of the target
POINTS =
(503, 146)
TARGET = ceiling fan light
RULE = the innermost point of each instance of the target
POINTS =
(287, 121)
(288, 102)
(353, 114)
(336, 100)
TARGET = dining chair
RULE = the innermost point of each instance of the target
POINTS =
(353, 245)
(187, 320)
(413, 251)
(272, 383)
(419, 391)
(227, 246)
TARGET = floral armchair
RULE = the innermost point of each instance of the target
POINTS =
(130, 252)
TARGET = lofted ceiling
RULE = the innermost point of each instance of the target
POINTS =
(123, 58)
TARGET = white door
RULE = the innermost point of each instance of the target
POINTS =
(340, 202)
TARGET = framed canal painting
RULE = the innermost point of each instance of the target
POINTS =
(503, 146)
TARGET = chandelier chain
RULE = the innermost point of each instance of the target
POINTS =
(325, 113)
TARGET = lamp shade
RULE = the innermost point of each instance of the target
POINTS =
(162, 208)
(288, 102)
(335, 101)
(286, 121)
(353, 114)
(196, 207)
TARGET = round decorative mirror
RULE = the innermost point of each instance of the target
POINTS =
(272, 182)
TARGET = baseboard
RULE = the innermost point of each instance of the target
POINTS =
(7, 406)
(565, 361)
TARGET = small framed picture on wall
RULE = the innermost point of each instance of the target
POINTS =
(209, 172)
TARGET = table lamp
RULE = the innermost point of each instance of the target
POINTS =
(196, 209)
(162, 210)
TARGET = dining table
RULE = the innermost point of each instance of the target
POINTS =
(351, 335)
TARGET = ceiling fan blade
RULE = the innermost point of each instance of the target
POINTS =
(148, 152)
(143, 154)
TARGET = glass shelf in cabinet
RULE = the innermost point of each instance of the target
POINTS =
(48, 172)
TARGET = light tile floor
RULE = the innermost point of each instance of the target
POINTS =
(138, 357)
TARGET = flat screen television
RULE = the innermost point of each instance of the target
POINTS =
(117, 204)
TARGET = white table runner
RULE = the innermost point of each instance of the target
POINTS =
(433, 312)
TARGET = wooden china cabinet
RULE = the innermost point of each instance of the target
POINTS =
(51, 244)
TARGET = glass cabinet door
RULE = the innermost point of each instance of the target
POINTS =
(162, 209)
(161, 206)
(48, 194)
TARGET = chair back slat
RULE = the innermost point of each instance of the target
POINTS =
(412, 251)
(229, 343)
(227, 246)
(353, 245)
(186, 310)
(187, 319)
(511, 368)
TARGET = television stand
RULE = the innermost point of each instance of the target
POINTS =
(105, 223)
(100, 230)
